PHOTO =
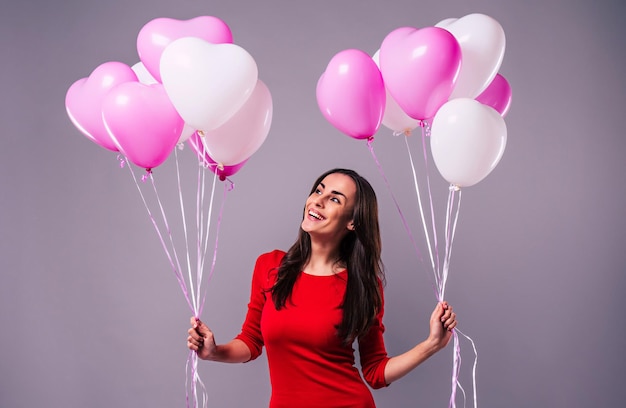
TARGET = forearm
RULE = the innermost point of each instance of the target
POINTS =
(235, 351)
(400, 365)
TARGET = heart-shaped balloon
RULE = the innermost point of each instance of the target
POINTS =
(497, 95)
(83, 100)
(446, 22)
(145, 78)
(157, 34)
(351, 94)
(244, 133)
(420, 67)
(394, 117)
(207, 83)
(143, 75)
(186, 133)
(142, 122)
(482, 43)
(223, 171)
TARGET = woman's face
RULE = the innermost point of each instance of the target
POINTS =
(328, 210)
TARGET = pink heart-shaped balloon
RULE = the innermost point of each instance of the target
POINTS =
(142, 122)
(83, 100)
(420, 67)
(497, 95)
(159, 33)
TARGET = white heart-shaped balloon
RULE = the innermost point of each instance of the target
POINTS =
(207, 83)
(240, 137)
(482, 42)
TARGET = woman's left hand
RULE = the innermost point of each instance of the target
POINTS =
(442, 321)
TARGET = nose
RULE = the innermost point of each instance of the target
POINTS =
(318, 200)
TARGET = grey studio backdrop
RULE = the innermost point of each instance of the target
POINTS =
(92, 316)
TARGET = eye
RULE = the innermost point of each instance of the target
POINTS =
(335, 199)
(318, 191)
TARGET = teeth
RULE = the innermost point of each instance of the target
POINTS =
(315, 215)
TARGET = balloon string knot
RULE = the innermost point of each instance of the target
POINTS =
(147, 175)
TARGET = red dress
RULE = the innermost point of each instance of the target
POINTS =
(309, 367)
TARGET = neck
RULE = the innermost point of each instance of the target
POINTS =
(324, 260)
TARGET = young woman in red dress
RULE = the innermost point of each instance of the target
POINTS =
(310, 306)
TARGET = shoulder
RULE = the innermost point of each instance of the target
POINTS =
(272, 258)
(266, 267)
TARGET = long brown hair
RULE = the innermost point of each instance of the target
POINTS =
(359, 250)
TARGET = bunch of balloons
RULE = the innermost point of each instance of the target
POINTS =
(446, 75)
(443, 78)
(193, 85)
(191, 81)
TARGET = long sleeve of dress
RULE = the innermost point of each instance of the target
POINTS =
(251, 328)
(373, 353)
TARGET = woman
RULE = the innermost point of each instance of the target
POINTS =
(308, 306)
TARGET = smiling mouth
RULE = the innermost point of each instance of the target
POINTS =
(316, 215)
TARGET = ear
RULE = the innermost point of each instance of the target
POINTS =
(351, 226)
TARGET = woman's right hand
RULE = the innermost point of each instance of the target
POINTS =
(201, 340)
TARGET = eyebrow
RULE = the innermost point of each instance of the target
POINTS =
(335, 192)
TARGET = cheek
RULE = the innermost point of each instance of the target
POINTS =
(344, 219)
(348, 214)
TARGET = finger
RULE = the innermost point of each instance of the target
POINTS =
(199, 327)
(446, 314)
(450, 318)
(193, 333)
(195, 322)
(452, 325)
(450, 321)
(195, 342)
(202, 328)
